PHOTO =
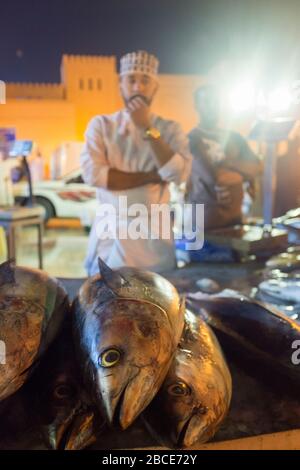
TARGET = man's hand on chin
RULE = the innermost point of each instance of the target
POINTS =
(139, 112)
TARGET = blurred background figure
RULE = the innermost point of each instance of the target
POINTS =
(134, 153)
(223, 162)
(287, 194)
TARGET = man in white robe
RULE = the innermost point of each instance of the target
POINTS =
(133, 153)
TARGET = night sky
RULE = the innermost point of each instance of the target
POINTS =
(188, 36)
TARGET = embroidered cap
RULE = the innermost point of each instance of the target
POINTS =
(140, 62)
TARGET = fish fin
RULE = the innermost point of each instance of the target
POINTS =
(7, 272)
(111, 278)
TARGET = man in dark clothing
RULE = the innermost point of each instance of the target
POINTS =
(222, 162)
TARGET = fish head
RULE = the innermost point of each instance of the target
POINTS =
(191, 404)
(131, 344)
(55, 395)
(75, 430)
(66, 418)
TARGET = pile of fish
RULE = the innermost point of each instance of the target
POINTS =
(127, 341)
(131, 347)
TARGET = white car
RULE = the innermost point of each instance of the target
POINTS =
(68, 197)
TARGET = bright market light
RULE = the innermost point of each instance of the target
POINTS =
(242, 97)
(245, 97)
(279, 100)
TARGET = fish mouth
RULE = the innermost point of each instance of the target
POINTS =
(196, 429)
(64, 438)
(75, 432)
(117, 415)
(180, 441)
(192, 431)
(128, 407)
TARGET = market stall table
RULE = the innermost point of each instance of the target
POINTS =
(15, 217)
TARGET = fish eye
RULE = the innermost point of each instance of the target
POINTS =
(63, 392)
(179, 389)
(109, 358)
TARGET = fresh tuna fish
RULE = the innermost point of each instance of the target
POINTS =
(127, 327)
(287, 290)
(32, 309)
(196, 394)
(263, 335)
